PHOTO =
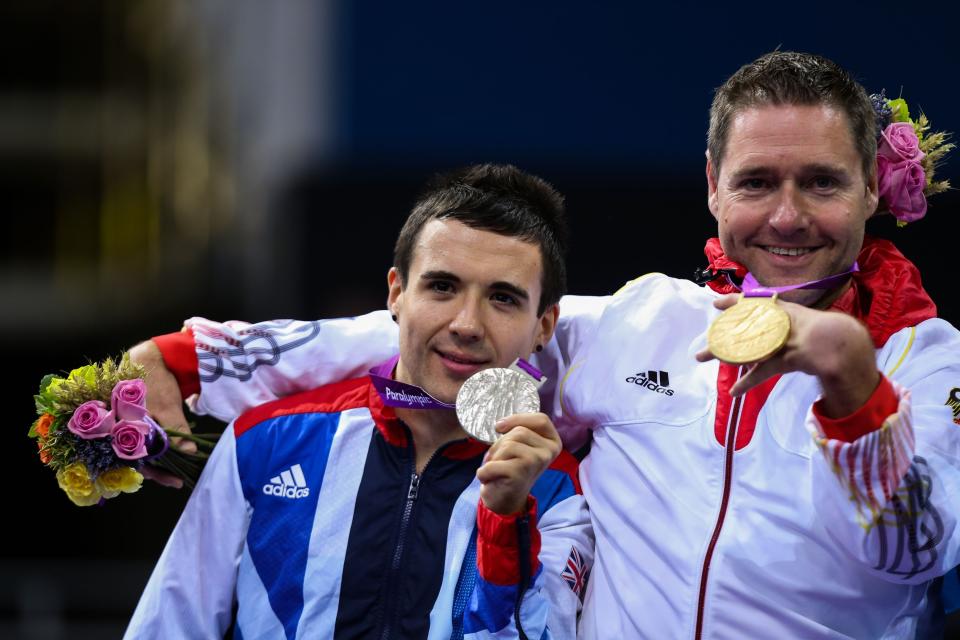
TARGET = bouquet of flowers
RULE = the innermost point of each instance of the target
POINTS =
(93, 430)
(907, 156)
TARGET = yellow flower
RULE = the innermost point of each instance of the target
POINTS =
(75, 481)
(125, 479)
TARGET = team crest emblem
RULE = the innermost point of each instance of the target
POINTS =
(575, 574)
(953, 401)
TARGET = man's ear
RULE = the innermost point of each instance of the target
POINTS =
(547, 325)
(872, 194)
(394, 291)
(712, 176)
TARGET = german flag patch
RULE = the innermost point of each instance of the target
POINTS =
(953, 401)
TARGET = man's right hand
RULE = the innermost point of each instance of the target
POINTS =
(515, 461)
(164, 404)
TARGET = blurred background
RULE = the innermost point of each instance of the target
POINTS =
(255, 160)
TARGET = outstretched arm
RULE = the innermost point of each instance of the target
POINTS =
(223, 369)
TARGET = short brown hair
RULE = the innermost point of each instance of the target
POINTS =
(788, 77)
(501, 199)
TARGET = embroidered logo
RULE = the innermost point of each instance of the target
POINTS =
(953, 401)
(289, 484)
(656, 381)
(575, 573)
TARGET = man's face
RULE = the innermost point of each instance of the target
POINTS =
(791, 199)
(469, 303)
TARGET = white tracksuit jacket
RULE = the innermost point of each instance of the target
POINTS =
(749, 526)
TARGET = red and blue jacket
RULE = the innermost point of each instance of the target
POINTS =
(310, 520)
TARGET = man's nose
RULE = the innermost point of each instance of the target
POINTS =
(467, 324)
(789, 215)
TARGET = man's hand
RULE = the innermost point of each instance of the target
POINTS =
(830, 345)
(164, 404)
(516, 460)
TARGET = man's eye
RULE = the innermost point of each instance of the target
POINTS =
(441, 286)
(823, 183)
(753, 184)
(504, 298)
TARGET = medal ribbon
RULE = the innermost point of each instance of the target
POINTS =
(408, 396)
(753, 289)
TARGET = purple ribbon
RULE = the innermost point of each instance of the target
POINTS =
(400, 394)
(158, 443)
(409, 396)
(753, 289)
(529, 368)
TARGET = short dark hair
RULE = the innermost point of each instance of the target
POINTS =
(498, 198)
(788, 77)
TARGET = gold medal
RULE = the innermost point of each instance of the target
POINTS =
(749, 331)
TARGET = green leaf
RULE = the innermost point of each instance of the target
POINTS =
(86, 373)
(899, 109)
(45, 382)
(44, 405)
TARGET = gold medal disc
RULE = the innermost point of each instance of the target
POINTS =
(749, 331)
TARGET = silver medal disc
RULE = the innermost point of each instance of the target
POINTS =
(492, 394)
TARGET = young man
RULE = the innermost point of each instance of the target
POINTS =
(811, 495)
(336, 513)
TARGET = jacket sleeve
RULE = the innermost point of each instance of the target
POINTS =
(235, 366)
(887, 484)
(191, 591)
(576, 327)
(243, 365)
(561, 554)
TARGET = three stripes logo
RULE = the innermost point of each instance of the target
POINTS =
(656, 381)
(289, 484)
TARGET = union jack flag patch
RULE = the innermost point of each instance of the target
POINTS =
(575, 573)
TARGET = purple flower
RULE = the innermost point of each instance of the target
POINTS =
(899, 142)
(130, 439)
(883, 111)
(91, 420)
(129, 399)
(901, 186)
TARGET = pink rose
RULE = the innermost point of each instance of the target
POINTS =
(129, 399)
(899, 142)
(130, 439)
(91, 420)
(901, 186)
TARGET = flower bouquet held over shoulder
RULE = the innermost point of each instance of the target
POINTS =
(908, 154)
(95, 433)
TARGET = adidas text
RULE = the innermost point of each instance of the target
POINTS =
(289, 484)
(649, 381)
(285, 492)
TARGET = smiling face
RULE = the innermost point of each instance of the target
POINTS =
(790, 197)
(469, 303)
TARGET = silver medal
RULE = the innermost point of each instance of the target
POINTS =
(492, 394)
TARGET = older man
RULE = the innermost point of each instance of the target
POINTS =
(811, 493)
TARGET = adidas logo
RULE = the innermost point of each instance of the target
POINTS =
(656, 381)
(289, 484)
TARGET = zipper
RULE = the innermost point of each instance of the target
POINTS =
(729, 449)
(413, 490)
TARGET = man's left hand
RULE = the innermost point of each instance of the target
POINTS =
(830, 345)
(515, 461)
